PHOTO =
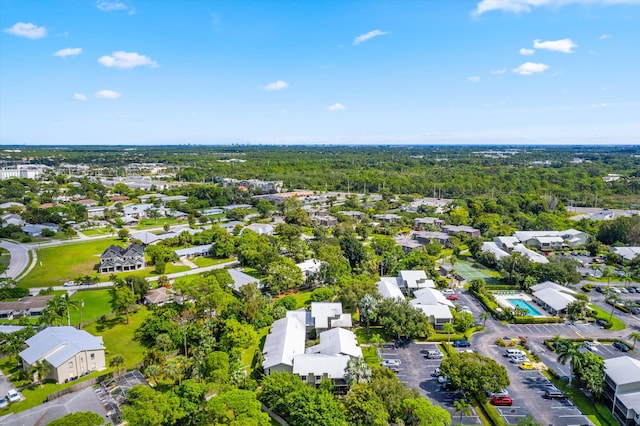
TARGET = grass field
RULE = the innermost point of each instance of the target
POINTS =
(209, 261)
(65, 262)
(96, 304)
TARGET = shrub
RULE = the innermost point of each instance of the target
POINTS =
(536, 320)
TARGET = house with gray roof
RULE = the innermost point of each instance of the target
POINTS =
(241, 279)
(285, 340)
(627, 253)
(69, 353)
(118, 259)
(622, 389)
(191, 252)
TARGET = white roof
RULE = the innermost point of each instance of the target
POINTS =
(261, 228)
(193, 250)
(623, 369)
(508, 242)
(551, 284)
(388, 288)
(286, 339)
(240, 279)
(57, 344)
(310, 266)
(302, 315)
(343, 321)
(415, 279)
(493, 248)
(554, 298)
(337, 341)
(549, 239)
(146, 237)
(527, 235)
(320, 364)
(438, 312)
(429, 296)
(532, 255)
(323, 311)
(627, 253)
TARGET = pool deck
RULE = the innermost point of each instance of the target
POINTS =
(502, 297)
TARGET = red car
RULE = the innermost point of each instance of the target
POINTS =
(452, 297)
(501, 400)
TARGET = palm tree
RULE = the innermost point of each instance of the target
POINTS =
(164, 341)
(613, 299)
(448, 328)
(462, 407)
(176, 368)
(607, 273)
(635, 336)
(54, 311)
(484, 316)
(41, 370)
(367, 307)
(117, 361)
(596, 267)
(153, 372)
(357, 371)
(75, 304)
(568, 351)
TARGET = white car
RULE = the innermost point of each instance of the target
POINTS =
(13, 395)
(591, 346)
(390, 363)
(448, 291)
(519, 359)
(501, 392)
(69, 284)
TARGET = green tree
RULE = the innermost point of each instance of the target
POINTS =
(236, 407)
(613, 299)
(55, 311)
(367, 308)
(117, 361)
(40, 369)
(484, 316)
(123, 234)
(400, 318)
(149, 407)
(364, 407)
(448, 328)
(237, 336)
(164, 342)
(357, 371)
(283, 275)
(569, 352)
(462, 407)
(635, 335)
(353, 250)
(528, 420)
(84, 418)
(264, 208)
(474, 373)
(122, 298)
(419, 411)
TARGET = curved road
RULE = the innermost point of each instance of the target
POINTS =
(19, 258)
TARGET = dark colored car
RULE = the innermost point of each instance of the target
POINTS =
(621, 346)
(462, 343)
(601, 322)
(599, 289)
(554, 393)
(502, 400)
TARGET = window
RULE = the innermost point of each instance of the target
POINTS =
(304, 378)
(318, 378)
(93, 356)
(70, 364)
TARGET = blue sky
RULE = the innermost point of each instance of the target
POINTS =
(348, 71)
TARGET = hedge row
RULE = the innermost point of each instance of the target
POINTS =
(13, 293)
(535, 320)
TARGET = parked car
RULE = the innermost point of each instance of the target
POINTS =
(434, 355)
(452, 297)
(3, 402)
(621, 346)
(448, 291)
(519, 359)
(591, 346)
(554, 393)
(501, 392)
(13, 395)
(599, 289)
(527, 366)
(635, 310)
(502, 400)
(462, 343)
(601, 322)
(69, 284)
(390, 363)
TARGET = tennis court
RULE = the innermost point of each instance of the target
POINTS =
(469, 272)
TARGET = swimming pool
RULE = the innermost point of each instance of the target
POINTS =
(519, 303)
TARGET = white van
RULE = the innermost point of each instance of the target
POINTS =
(514, 352)
(448, 291)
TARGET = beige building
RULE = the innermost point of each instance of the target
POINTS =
(68, 352)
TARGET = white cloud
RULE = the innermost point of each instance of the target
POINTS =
(529, 68)
(69, 51)
(125, 60)
(605, 36)
(473, 79)
(565, 45)
(600, 105)
(276, 85)
(79, 97)
(336, 107)
(500, 71)
(114, 6)
(28, 30)
(519, 6)
(524, 51)
(371, 34)
(107, 94)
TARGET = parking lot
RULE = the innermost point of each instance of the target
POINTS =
(418, 372)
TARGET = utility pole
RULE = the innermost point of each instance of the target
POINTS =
(81, 306)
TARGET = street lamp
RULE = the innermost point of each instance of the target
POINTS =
(81, 306)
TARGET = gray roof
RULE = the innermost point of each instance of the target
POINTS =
(9, 329)
(551, 284)
(438, 312)
(623, 370)
(430, 296)
(240, 279)
(554, 298)
(493, 248)
(388, 288)
(197, 250)
(146, 237)
(628, 253)
(57, 344)
(286, 339)
(320, 364)
(532, 255)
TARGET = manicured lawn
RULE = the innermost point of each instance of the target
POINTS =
(209, 261)
(249, 353)
(153, 223)
(616, 324)
(302, 299)
(62, 263)
(118, 336)
(98, 231)
(96, 304)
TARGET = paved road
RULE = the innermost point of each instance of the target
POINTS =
(19, 258)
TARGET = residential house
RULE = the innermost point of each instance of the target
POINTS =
(69, 353)
(241, 279)
(355, 215)
(410, 281)
(285, 340)
(309, 268)
(31, 306)
(388, 288)
(96, 211)
(12, 219)
(461, 229)
(118, 259)
(329, 315)
(428, 223)
(191, 252)
(407, 244)
(622, 389)
(137, 211)
(261, 228)
(603, 215)
(428, 237)
(160, 296)
(388, 218)
(87, 202)
(5, 206)
(627, 253)
(434, 305)
(324, 220)
(553, 297)
(550, 240)
(36, 230)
